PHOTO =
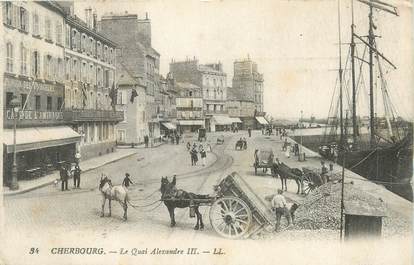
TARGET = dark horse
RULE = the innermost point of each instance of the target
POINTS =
(285, 173)
(176, 198)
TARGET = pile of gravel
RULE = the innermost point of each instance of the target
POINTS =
(321, 209)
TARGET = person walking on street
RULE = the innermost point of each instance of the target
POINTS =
(203, 156)
(76, 176)
(64, 177)
(280, 209)
(127, 181)
(249, 131)
(177, 138)
(146, 140)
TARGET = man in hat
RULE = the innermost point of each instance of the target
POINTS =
(280, 208)
(127, 181)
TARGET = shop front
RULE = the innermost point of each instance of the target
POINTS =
(190, 125)
(221, 123)
(261, 122)
(39, 150)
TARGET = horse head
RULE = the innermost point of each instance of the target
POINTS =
(168, 188)
(103, 181)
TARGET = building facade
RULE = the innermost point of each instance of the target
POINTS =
(90, 64)
(189, 105)
(246, 77)
(247, 94)
(138, 59)
(213, 83)
(131, 101)
(33, 44)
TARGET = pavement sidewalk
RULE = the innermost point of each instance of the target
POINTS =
(87, 165)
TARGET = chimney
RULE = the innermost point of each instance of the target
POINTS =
(146, 15)
(95, 20)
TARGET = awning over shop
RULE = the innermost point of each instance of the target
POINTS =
(191, 122)
(236, 120)
(223, 120)
(39, 137)
(262, 120)
(169, 125)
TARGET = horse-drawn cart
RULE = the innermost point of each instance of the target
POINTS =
(238, 212)
(235, 210)
(263, 158)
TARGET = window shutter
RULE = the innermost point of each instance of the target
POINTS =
(45, 73)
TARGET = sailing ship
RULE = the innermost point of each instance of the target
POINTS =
(380, 149)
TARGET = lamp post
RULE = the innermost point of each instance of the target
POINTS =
(301, 136)
(15, 104)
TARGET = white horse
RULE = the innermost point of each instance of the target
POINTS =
(118, 193)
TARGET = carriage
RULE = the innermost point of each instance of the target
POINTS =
(263, 159)
(220, 139)
(241, 145)
(236, 211)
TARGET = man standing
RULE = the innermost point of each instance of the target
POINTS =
(76, 176)
(203, 156)
(249, 131)
(64, 177)
(126, 181)
(177, 138)
(146, 140)
(279, 207)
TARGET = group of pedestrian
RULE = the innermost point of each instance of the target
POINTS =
(194, 154)
(65, 172)
(175, 138)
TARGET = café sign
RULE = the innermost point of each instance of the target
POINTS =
(35, 115)
(36, 86)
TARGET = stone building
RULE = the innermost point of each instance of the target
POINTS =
(189, 104)
(240, 106)
(140, 61)
(248, 86)
(213, 83)
(33, 48)
(90, 65)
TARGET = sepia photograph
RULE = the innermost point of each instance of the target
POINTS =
(207, 132)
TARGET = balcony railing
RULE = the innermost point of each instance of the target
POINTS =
(93, 115)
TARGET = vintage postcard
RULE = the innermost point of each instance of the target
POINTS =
(206, 132)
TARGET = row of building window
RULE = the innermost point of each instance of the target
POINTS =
(213, 82)
(214, 107)
(189, 114)
(83, 43)
(79, 99)
(101, 131)
(52, 67)
(25, 101)
(19, 17)
(88, 72)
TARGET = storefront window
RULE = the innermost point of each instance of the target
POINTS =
(49, 103)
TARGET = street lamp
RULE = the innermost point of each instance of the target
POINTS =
(15, 105)
(301, 136)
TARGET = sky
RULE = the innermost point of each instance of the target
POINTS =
(294, 42)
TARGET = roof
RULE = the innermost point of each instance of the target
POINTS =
(126, 78)
(359, 202)
(80, 24)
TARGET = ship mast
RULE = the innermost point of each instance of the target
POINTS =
(377, 4)
(354, 119)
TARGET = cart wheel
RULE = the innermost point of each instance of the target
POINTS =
(230, 217)
(308, 184)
